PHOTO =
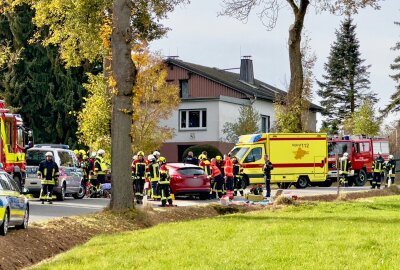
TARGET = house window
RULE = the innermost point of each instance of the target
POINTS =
(265, 124)
(184, 88)
(193, 119)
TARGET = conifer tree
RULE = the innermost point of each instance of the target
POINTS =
(37, 85)
(346, 82)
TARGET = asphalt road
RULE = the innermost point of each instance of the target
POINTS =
(73, 207)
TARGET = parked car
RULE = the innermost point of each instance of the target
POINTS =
(70, 181)
(187, 179)
(14, 207)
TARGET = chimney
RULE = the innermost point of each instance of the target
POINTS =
(246, 69)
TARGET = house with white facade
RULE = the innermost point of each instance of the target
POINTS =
(211, 97)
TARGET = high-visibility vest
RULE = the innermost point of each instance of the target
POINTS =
(164, 176)
(154, 173)
(228, 167)
(377, 165)
(344, 166)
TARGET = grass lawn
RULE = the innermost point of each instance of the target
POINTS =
(342, 235)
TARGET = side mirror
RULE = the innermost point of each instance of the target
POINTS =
(25, 191)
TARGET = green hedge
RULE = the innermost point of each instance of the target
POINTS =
(212, 151)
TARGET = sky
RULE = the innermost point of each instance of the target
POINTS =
(198, 35)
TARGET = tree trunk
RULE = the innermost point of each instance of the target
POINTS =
(296, 68)
(123, 72)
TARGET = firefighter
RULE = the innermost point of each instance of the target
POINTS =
(391, 171)
(139, 172)
(100, 168)
(85, 168)
(345, 166)
(81, 153)
(205, 164)
(228, 172)
(164, 183)
(221, 166)
(267, 168)
(48, 173)
(190, 159)
(217, 180)
(154, 176)
(237, 178)
(377, 167)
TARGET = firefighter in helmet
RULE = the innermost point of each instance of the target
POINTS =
(237, 177)
(345, 166)
(154, 176)
(48, 173)
(217, 180)
(378, 170)
(139, 166)
(100, 168)
(164, 183)
(390, 170)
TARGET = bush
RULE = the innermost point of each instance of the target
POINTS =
(197, 149)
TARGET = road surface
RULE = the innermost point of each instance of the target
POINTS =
(73, 207)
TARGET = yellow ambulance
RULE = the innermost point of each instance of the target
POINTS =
(297, 158)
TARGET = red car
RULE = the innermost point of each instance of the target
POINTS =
(188, 179)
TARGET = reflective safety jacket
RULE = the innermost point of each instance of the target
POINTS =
(48, 172)
(154, 171)
(205, 165)
(378, 164)
(345, 166)
(236, 168)
(221, 166)
(391, 168)
(164, 175)
(100, 167)
(228, 168)
(139, 168)
(215, 171)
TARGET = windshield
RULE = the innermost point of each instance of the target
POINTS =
(34, 157)
(339, 148)
(239, 152)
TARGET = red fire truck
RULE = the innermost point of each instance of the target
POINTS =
(362, 152)
(13, 137)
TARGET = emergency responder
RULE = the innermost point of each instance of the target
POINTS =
(205, 164)
(267, 168)
(237, 178)
(100, 168)
(217, 180)
(164, 183)
(139, 166)
(48, 173)
(228, 172)
(80, 155)
(154, 176)
(221, 166)
(85, 168)
(390, 171)
(92, 176)
(377, 167)
(190, 159)
(345, 166)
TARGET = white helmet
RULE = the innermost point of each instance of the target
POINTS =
(346, 154)
(101, 152)
(390, 156)
(156, 153)
(151, 157)
(93, 154)
(49, 154)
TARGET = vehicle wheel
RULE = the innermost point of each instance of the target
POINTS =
(245, 181)
(4, 225)
(302, 182)
(81, 193)
(204, 196)
(24, 224)
(361, 179)
(61, 195)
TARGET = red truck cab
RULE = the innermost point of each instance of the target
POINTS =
(362, 152)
